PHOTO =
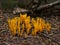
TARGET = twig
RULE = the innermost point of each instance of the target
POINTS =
(48, 5)
(6, 43)
(3, 31)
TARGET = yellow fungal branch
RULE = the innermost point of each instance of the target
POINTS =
(18, 26)
(24, 24)
(22, 31)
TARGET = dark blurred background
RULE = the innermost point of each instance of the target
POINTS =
(27, 4)
(21, 3)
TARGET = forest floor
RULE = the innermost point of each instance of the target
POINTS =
(51, 38)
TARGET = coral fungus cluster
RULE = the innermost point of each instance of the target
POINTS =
(27, 25)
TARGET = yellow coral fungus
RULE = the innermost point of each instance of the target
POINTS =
(24, 24)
